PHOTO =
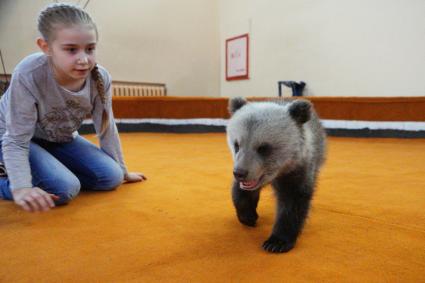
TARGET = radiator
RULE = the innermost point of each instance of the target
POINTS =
(121, 88)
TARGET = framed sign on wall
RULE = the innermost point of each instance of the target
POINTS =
(237, 58)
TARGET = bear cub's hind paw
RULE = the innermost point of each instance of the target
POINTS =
(276, 245)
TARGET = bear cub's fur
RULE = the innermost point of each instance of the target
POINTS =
(281, 143)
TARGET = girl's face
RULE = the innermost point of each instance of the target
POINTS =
(72, 53)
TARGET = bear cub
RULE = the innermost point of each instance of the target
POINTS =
(281, 143)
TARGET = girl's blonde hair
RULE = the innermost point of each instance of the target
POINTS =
(60, 14)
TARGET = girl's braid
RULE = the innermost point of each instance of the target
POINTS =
(100, 86)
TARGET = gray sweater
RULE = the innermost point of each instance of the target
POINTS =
(35, 105)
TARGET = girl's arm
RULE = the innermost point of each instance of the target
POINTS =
(109, 141)
(21, 119)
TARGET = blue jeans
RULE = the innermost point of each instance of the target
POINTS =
(63, 168)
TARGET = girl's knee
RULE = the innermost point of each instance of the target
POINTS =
(117, 178)
(111, 179)
(66, 190)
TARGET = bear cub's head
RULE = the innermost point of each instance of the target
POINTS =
(266, 139)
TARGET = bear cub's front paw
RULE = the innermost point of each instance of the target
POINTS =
(248, 219)
(276, 245)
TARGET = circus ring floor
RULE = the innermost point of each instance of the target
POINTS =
(367, 222)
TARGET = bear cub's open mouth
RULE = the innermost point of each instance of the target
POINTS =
(250, 185)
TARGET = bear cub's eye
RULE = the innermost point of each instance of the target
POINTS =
(236, 146)
(264, 149)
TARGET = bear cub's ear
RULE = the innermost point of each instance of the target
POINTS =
(300, 110)
(235, 104)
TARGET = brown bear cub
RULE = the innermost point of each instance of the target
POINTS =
(281, 143)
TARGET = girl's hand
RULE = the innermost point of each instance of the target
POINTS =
(34, 199)
(134, 177)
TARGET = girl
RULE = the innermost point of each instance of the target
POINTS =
(51, 93)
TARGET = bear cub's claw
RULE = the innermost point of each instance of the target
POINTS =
(276, 245)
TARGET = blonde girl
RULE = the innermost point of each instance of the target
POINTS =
(43, 160)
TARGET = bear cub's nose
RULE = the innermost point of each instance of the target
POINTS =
(240, 174)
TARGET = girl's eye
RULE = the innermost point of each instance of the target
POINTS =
(90, 50)
(236, 146)
(71, 50)
(264, 149)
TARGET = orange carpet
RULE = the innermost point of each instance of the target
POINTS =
(367, 223)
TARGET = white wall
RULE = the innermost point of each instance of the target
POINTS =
(174, 42)
(339, 47)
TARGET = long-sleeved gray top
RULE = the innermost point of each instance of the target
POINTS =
(35, 105)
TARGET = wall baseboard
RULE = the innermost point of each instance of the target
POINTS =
(333, 128)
